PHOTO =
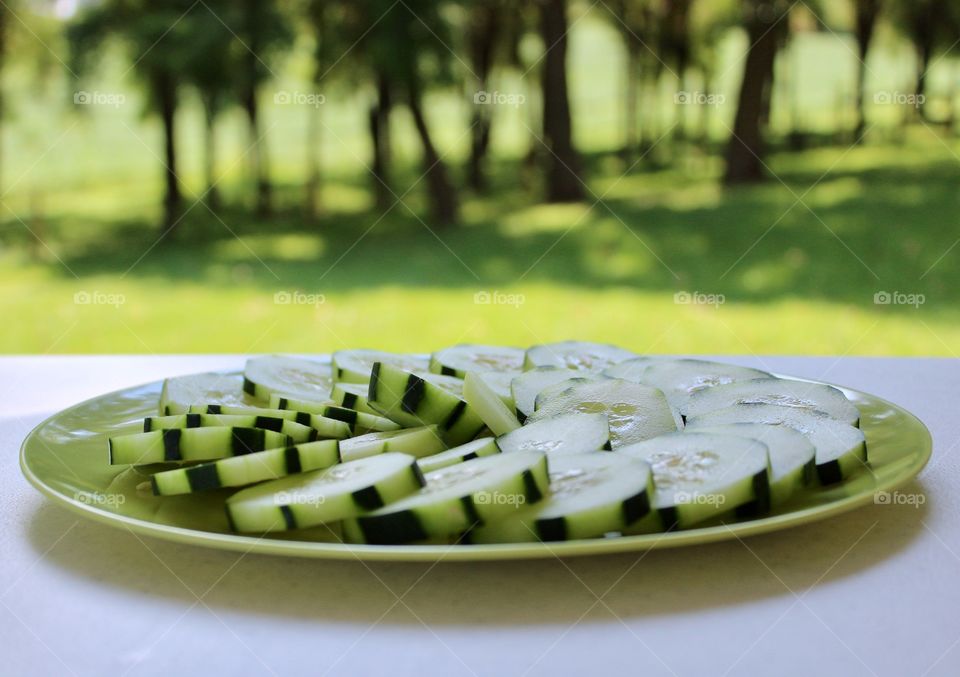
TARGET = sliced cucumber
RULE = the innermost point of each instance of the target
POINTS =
(353, 396)
(488, 405)
(680, 379)
(354, 366)
(632, 369)
(423, 399)
(499, 382)
(635, 412)
(555, 389)
(798, 395)
(590, 495)
(793, 463)
(577, 355)
(296, 431)
(841, 448)
(296, 376)
(181, 391)
(486, 446)
(458, 360)
(701, 475)
(575, 433)
(239, 471)
(360, 423)
(325, 426)
(417, 442)
(456, 498)
(192, 444)
(528, 385)
(339, 492)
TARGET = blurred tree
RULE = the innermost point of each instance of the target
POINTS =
(710, 22)
(484, 33)
(5, 12)
(563, 160)
(674, 52)
(766, 24)
(634, 19)
(865, 23)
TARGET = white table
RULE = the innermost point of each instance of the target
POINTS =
(875, 591)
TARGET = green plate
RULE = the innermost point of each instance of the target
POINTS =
(65, 457)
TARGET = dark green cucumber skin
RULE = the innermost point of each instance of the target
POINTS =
(249, 387)
(759, 506)
(555, 528)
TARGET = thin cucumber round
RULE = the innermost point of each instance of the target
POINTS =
(240, 471)
(354, 366)
(360, 423)
(297, 376)
(528, 385)
(458, 360)
(192, 444)
(680, 379)
(577, 355)
(342, 491)
(417, 442)
(632, 369)
(567, 434)
(700, 475)
(488, 405)
(180, 392)
(297, 431)
(353, 396)
(485, 446)
(456, 498)
(325, 426)
(555, 389)
(590, 495)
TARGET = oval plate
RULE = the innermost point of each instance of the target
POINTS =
(65, 457)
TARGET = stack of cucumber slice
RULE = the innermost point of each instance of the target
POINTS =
(491, 444)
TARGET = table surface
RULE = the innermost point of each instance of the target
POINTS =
(872, 592)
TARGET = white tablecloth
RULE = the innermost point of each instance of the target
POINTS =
(872, 592)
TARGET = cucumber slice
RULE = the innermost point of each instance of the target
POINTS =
(632, 369)
(499, 382)
(354, 366)
(417, 442)
(353, 396)
(458, 360)
(339, 492)
(797, 395)
(488, 405)
(325, 426)
(360, 423)
(456, 498)
(841, 448)
(528, 385)
(192, 444)
(295, 376)
(577, 355)
(486, 446)
(296, 431)
(793, 463)
(181, 391)
(701, 475)
(635, 412)
(575, 433)
(562, 386)
(422, 399)
(239, 471)
(680, 379)
(590, 495)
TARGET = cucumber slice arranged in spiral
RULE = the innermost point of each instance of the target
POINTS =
(342, 491)
(797, 395)
(528, 385)
(489, 406)
(577, 355)
(632, 369)
(635, 412)
(458, 360)
(240, 471)
(325, 426)
(296, 376)
(353, 396)
(417, 442)
(360, 423)
(354, 366)
(423, 399)
(700, 475)
(180, 392)
(680, 379)
(485, 446)
(456, 498)
(296, 431)
(192, 444)
(841, 448)
(567, 434)
(590, 495)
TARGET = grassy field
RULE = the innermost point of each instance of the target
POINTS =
(668, 262)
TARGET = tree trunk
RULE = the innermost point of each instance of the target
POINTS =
(866, 22)
(745, 150)
(444, 206)
(258, 153)
(484, 31)
(563, 161)
(379, 126)
(312, 200)
(924, 53)
(165, 90)
(631, 137)
(211, 196)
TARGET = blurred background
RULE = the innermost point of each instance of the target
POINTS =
(677, 176)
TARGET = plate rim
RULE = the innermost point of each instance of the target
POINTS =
(486, 552)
